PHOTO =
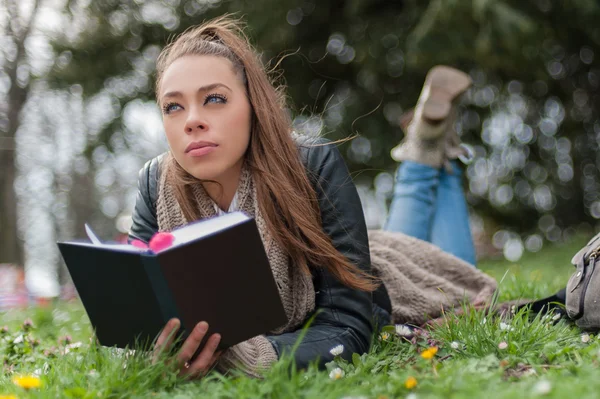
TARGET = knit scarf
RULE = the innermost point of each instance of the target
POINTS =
(295, 288)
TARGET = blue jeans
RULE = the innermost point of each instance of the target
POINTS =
(429, 204)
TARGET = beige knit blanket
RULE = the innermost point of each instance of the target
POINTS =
(420, 278)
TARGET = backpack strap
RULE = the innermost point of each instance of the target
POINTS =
(554, 302)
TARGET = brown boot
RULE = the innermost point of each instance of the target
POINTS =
(427, 128)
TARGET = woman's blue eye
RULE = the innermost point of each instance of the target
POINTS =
(170, 107)
(215, 99)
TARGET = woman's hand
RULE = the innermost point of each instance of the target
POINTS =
(203, 362)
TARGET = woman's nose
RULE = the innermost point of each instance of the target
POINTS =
(195, 122)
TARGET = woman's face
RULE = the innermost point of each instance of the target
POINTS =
(206, 115)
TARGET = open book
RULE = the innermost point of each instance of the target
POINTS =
(216, 271)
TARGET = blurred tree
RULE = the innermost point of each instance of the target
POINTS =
(357, 65)
(536, 70)
(15, 71)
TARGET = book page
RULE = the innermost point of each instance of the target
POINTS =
(91, 235)
(111, 246)
(207, 227)
(95, 242)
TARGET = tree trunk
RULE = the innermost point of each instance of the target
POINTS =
(11, 247)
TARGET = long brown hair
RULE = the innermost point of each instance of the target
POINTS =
(286, 196)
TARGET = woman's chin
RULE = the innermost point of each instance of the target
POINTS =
(203, 173)
(216, 170)
(203, 176)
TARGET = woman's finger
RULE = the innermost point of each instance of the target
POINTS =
(215, 358)
(201, 365)
(166, 337)
(192, 343)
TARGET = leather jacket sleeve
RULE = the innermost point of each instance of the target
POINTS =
(342, 315)
(144, 224)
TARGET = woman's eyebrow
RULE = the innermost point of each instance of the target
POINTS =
(209, 87)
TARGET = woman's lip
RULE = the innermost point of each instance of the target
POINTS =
(199, 152)
(199, 144)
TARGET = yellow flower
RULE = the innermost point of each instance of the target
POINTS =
(429, 353)
(410, 382)
(27, 381)
(384, 336)
(8, 397)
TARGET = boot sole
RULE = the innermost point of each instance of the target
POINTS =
(445, 84)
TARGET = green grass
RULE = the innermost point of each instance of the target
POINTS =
(541, 358)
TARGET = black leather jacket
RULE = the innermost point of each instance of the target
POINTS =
(345, 315)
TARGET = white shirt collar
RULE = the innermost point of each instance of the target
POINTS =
(232, 207)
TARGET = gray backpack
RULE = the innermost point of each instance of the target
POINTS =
(582, 297)
(580, 300)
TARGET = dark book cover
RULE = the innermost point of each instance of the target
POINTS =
(216, 271)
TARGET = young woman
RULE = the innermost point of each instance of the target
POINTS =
(232, 148)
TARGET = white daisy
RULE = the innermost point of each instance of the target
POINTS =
(502, 345)
(585, 338)
(542, 387)
(403, 330)
(556, 317)
(74, 345)
(337, 350)
(336, 373)
(454, 345)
